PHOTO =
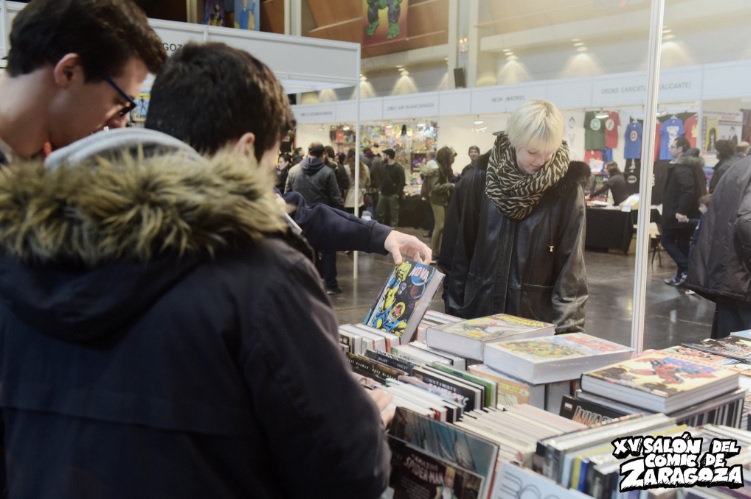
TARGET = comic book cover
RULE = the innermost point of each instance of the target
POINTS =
(213, 14)
(660, 374)
(404, 299)
(734, 347)
(493, 327)
(433, 457)
(699, 355)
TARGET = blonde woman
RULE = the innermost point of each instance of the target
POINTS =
(520, 248)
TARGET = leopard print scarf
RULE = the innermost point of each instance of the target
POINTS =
(514, 192)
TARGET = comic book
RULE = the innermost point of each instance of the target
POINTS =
(734, 347)
(700, 356)
(430, 457)
(404, 299)
(658, 382)
(468, 338)
(554, 358)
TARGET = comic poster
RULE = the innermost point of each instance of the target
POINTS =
(248, 14)
(142, 107)
(385, 21)
(213, 13)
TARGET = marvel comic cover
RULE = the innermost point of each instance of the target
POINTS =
(404, 299)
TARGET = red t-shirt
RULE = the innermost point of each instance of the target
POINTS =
(691, 126)
(611, 130)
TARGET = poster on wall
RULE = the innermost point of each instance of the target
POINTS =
(717, 126)
(385, 21)
(213, 13)
(248, 14)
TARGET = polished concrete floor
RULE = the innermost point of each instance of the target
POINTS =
(672, 316)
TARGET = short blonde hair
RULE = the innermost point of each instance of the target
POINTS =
(536, 124)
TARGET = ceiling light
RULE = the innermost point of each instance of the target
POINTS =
(601, 115)
(666, 30)
(478, 121)
(421, 124)
(389, 126)
(345, 128)
(578, 44)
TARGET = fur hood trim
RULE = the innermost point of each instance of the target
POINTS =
(578, 173)
(693, 161)
(103, 210)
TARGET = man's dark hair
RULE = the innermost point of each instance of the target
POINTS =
(724, 149)
(612, 168)
(390, 153)
(316, 149)
(330, 152)
(211, 94)
(683, 143)
(473, 148)
(104, 33)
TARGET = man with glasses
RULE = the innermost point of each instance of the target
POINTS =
(73, 66)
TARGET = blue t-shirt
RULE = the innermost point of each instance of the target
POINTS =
(671, 130)
(633, 133)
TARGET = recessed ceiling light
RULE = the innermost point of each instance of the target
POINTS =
(601, 115)
(581, 49)
(478, 122)
(389, 126)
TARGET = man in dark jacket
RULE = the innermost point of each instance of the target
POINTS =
(376, 172)
(215, 349)
(721, 265)
(680, 203)
(392, 187)
(342, 178)
(317, 184)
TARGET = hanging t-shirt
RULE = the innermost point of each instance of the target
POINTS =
(594, 159)
(607, 154)
(612, 122)
(632, 149)
(594, 131)
(691, 125)
(671, 129)
(657, 140)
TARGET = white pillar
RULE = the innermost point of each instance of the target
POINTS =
(645, 183)
(474, 43)
(453, 40)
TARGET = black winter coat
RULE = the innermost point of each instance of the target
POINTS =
(532, 268)
(158, 341)
(683, 188)
(720, 168)
(316, 182)
(721, 263)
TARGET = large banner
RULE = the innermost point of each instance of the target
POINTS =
(385, 21)
(716, 126)
(248, 14)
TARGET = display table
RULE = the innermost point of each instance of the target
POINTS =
(610, 228)
(413, 212)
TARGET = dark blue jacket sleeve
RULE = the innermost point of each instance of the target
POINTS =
(327, 228)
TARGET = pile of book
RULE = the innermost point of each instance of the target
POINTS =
(694, 389)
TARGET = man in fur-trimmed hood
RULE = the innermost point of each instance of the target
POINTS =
(158, 337)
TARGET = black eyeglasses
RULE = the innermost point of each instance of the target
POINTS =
(131, 105)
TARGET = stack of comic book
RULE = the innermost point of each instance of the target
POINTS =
(469, 337)
(555, 358)
(433, 318)
(657, 381)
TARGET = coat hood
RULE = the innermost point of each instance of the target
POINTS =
(693, 161)
(311, 165)
(87, 245)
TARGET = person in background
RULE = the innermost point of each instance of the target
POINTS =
(684, 185)
(283, 164)
(316, 183)
(520, 247)
(376, 172)
(703, 207)
(392, 189)
(725, 152)
(473, 152)
(439, 180)
(356, 198)
(615, 183)
(297, 156)
(741, 150)
(342, 178)
(217, 348)
(428, 169)
(719, 269)
(73, 66)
